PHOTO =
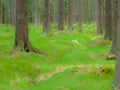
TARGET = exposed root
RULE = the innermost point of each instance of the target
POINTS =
(16, 51)
(37, 51)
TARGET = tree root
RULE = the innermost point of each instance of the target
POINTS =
(16, 50)
(37, 51)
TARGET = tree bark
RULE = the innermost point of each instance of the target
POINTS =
(113, 48)
(13, 5)
(21, 35)
(69, 14)
(100, 16)
(37, 14)
(108, 20)
(80, 14)
(117, 72)
(47, 17)
(0, 11)
(3, 12)
(60, 15)
(22, 42)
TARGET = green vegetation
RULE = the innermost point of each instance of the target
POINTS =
(74, 61)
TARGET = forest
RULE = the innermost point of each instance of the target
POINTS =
(77, 45)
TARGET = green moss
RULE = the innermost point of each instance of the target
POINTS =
(63, 50)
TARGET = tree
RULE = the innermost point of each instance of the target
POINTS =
(100, 16)
(117, 71)
(0, 11)
(60, 14)
(37, 14)
(13, 5)
(108, 19)
(80, 13)
(3, 11)
(69, 14)
(47, 16)
(114, 27)
(22, 42)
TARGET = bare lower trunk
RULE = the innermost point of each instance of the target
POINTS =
(80, 13)
(47, 17)
(117, 72)
(69, 14)
(37, 15)
(113, 48)
(21, 35)
(22, 42)
(60, 15)
(99, 13)
(13, 5)
(108, 20)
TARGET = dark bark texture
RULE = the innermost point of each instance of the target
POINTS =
(113, 49)
(61, 15)
(108, 20)
(69, 14)
(80, 13)
(47, 17)
(21, 35)
(117, 72)
(100, 16)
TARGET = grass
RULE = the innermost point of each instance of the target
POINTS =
(73, 62)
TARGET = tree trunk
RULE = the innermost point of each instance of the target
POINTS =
(3, 12)
(69, 14)
(13, 5)
(22, 42)
(6, 13)
(37, 15)
(113, 48)
(47, 17)
(117, 72)
(21, 35)
(80, 13)
(60, 15)
(100, 17)
(0, 11)
(108, 20)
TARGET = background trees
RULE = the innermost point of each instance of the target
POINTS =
(64, 15)
(75, 11)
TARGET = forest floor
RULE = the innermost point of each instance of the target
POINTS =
(74, 61)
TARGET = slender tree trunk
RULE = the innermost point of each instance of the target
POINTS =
(113, 48)
(80, 13)
(3, 12)
(47, 17)
(69, 14)
(117, 72)
(37, 15)
(13, 5)
(60, 15)
(100, 18)
(0, 11)
(74, 11)
(6, 11)
(108, 20)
